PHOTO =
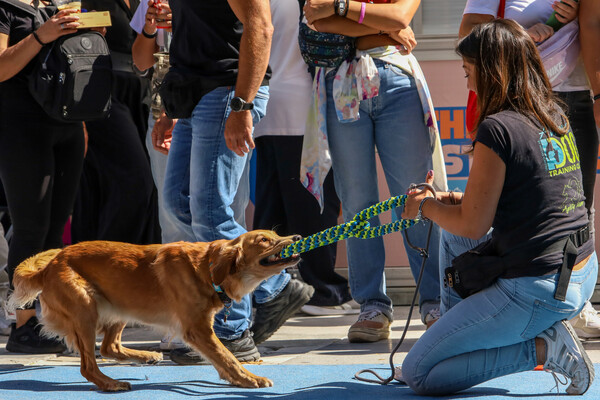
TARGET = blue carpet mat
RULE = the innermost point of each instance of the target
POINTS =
(291, 382)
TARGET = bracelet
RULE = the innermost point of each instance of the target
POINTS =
(453, 199)
(596, 97)
(37, 38)
(420, 216)
(149, 36)
(363, 8)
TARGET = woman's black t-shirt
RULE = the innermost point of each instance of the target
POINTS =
(542, 198)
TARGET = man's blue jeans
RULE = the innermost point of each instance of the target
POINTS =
(170, 232)
(491, 333)
(202, 179)
(393, 124)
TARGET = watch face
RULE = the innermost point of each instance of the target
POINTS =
(237, 104)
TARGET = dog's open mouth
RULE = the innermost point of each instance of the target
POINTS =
(275, 259)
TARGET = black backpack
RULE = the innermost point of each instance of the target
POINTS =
(72, 78)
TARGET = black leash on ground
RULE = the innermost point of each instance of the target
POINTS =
(424, 253)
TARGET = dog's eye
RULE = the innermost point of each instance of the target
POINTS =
(264, 240)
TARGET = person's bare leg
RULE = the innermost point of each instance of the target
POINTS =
(540, 351)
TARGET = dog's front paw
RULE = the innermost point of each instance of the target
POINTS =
(263, 382)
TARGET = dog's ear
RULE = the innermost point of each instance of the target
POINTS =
(223, 259)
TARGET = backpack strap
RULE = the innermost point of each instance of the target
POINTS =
(301, 4)
(20, 5)
(33, 11)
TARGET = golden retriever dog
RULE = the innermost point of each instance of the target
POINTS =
(99, 286)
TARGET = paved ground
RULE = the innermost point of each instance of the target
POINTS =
(303, 340)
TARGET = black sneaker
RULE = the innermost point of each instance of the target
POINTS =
(242, 348)
(271, 315)
(27, 339)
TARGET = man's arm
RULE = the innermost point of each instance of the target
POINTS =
(589, 36)
(470, 21)
(255, 47)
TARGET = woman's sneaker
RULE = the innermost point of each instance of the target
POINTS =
(28, 339)
(565, 355)
(432, 317)
(587, 323)
(371, 326)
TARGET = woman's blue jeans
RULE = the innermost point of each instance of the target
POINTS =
(391, 124)
(451, 246)
(202, 180)
(491, 333)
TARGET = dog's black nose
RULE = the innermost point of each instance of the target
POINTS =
(295, 238)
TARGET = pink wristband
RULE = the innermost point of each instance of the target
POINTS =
(363, 7)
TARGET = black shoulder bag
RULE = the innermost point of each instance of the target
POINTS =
(72, 76)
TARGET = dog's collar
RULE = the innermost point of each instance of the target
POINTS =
(227, 302)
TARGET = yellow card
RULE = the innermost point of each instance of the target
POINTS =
(94, 19)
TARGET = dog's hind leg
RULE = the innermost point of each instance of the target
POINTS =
(112, 348)
(83, 337)
(70, 311)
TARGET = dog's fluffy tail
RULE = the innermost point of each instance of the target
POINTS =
(28, 280)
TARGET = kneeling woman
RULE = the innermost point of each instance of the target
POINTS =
(525, 182)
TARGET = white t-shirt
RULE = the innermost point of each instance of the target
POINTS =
(139, 20)
(290, 85)
(528, 13)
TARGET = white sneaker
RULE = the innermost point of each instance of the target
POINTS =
(565, 355)
(432, 316)
(351, 307)
(169, 342)
(587, 323)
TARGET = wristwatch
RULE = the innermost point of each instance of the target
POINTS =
(342, 8)
(238, 104)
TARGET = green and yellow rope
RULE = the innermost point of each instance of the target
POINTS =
(358, 227)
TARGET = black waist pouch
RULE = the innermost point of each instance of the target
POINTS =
(180, 92)
(474, 270)
(480, 267)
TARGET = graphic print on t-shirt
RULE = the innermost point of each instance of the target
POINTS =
(562, 157)
(572, 192)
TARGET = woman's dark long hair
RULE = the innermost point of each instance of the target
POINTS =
(510, 75)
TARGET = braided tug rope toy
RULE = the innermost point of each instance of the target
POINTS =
(358, 227)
